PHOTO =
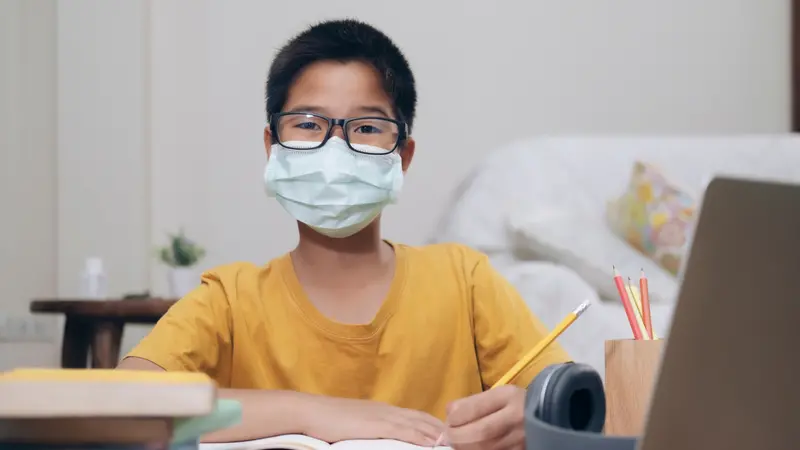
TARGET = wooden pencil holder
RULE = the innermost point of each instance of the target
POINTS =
(631, 370)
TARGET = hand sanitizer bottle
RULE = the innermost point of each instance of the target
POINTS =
(94, 282)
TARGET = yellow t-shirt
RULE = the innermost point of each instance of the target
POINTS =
(450, 327)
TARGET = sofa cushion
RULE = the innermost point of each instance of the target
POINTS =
(654, 215)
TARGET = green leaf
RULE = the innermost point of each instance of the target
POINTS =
(181, 251)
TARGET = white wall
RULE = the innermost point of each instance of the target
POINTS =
(103, 154)
(27, 166)
(160, 108)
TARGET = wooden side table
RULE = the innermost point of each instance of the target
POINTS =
(95, 326)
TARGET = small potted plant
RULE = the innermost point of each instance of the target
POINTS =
(181, 255)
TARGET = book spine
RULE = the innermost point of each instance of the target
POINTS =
(28, 446)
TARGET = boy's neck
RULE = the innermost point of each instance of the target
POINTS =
(365, 248)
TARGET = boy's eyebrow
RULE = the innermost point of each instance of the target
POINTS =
(375, 110)
(369, 110)
(305, 108)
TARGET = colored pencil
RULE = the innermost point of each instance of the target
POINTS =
(626, 304)
(637, 301)
(637, 308)
(645, 293)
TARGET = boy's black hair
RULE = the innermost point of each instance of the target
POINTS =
(343, 40)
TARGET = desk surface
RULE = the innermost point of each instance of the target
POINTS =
(146, 311)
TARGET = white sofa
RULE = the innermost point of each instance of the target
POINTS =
(537, 208)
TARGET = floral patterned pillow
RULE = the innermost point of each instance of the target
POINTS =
(654, 216)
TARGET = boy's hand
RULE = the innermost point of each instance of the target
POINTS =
(338, 419)
(491, 420)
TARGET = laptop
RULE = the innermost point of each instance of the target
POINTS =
(730, 373)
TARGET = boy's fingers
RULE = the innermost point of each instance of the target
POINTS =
(432, 431)
(490, 428)
(414, 436)
(472, 408)
(426, 418)
(511, 440)
(427, 425)
(401, 430)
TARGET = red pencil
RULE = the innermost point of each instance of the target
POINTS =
(626, 303)
(648, 324)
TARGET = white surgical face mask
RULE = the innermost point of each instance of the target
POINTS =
(332, 189)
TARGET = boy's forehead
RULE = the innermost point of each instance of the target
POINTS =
(339, 89)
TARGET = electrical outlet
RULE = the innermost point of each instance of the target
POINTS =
(27, 328)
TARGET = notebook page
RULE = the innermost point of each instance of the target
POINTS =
(286, 442)
(379, 444)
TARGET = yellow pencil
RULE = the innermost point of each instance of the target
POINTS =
(636, 299)
(636, 296)
(543, 344)
(536, 351)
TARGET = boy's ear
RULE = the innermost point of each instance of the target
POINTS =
(267, 140)
(407, 153)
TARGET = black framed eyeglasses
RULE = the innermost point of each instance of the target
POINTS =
(309, 131)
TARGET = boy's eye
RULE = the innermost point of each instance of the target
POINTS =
(370, 126)
(367, 129)
(308, 126)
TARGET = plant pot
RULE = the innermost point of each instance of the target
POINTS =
(182, 280)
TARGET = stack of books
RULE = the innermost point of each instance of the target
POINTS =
(109, 409)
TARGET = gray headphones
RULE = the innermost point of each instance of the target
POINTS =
(569, 396)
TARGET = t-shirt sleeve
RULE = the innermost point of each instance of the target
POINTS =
(506, 329)
(194, 335)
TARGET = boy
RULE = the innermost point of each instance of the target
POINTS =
(350, 336)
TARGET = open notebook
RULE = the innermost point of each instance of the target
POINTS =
(300, 442)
